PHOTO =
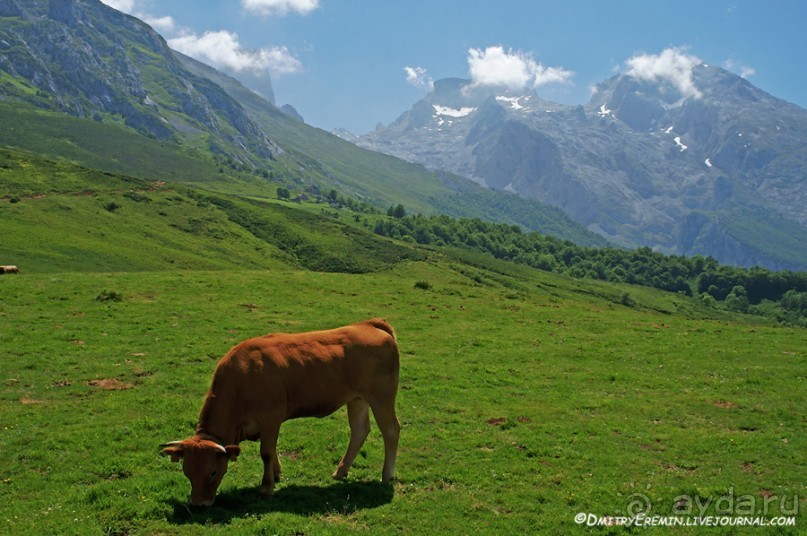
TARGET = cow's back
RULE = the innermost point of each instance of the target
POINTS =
(317, 371)
(323, 370)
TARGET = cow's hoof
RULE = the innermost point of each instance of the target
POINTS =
(267, 491)
(338, 475)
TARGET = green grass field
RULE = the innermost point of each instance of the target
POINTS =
(527, 398)
(524, 401)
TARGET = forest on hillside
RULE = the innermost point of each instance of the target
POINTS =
(778, 295)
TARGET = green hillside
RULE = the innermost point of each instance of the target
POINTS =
(62, 217)
(770, 234)
(101, 146)
(360, 172)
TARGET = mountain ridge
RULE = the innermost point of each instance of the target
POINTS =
(642, 163)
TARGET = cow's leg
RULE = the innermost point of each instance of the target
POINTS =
(271, 463)
(384, 413)
(358, 415)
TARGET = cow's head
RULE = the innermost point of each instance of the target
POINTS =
(204, 463)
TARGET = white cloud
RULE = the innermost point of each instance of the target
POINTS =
(743, 70)
(672, 65)
(515, 71)
(127, 6)
(418, 77)
(222, 49)
(161, 24)
(281, 61)
(280, 7)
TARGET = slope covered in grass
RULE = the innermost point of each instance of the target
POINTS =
(100, 146)
(524, 401)
(57, 216)
(526, 397)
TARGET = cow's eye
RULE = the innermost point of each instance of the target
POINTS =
(213, 474)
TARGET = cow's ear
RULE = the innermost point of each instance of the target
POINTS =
(233, 451)
(175, 453)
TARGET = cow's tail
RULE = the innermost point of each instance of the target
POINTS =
(383, 325)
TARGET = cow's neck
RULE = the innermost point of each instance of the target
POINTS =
(217, 422)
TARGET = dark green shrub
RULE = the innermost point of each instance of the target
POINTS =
(109, 295)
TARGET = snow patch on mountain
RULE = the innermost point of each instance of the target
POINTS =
(677, 139)
(604, 111)
(452, 112)
(515, 103)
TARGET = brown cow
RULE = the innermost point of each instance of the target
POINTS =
(265, 381)
(9, 269)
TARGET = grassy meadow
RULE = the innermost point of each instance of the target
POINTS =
(526, 398)
(524, 401)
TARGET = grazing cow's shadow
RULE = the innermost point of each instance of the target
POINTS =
(338, 498)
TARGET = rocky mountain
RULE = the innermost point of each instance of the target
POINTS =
(86, 59)
(719, 168)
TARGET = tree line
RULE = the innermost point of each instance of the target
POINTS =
(782, 295)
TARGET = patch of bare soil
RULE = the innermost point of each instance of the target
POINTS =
(111, 384)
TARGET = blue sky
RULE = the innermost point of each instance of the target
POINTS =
(357, 63)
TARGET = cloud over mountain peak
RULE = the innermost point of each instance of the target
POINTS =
(513, 70)
(671, 65)
(419, 77)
